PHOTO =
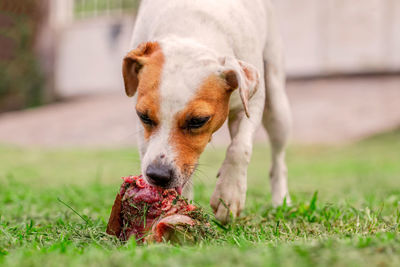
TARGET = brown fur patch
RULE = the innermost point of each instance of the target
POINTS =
(148, 101)
(212, 99)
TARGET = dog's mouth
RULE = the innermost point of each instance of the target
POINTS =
(179, 189)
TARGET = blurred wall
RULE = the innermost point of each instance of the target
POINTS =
(321, 37)
(324, 37)
(90, 55)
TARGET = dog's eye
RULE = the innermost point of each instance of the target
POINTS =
(145, 118)
(196, 122)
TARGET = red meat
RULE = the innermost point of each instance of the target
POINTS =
(148, 213)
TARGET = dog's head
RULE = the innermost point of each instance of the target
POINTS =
(183, 93)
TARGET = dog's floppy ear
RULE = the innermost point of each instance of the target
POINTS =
(132, 64)
(242, 75)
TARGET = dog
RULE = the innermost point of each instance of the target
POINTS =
(192, 66)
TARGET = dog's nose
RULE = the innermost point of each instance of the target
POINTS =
(159, 174)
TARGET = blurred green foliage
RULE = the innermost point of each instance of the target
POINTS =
(84, 8)
(21, 80)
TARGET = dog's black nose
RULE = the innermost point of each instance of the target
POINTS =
(159, 174)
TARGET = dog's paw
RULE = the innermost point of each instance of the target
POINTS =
(228, 198)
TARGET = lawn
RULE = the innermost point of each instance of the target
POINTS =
(346, 209)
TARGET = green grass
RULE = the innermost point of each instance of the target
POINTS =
(346, 209)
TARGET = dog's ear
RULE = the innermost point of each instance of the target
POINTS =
(242, 75)
(132, 64)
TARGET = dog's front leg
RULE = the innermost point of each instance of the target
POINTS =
(229, 195)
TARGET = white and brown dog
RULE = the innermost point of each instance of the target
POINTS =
(196, 63)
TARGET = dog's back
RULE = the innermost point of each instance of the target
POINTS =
(229, 27)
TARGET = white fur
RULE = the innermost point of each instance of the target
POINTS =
(194, 35)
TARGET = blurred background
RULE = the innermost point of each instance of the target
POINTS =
(61, 82)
